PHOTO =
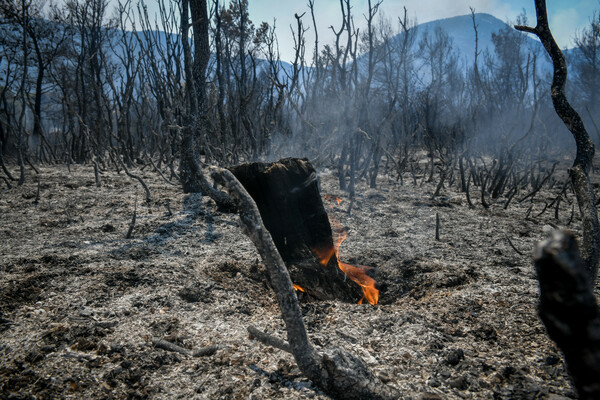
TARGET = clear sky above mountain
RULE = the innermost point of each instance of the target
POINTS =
(566, 16)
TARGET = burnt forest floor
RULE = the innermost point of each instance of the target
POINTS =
(80, 304)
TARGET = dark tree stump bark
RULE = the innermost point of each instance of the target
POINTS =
(287, 195)
(569, 310)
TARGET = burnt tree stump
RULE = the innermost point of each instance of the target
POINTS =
(287, 195)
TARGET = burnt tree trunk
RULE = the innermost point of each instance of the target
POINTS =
(287, 195)
(191, 175)
(579, 172)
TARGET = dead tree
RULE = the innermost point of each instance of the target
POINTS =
(337, 372)
(579, 172)
(568, 309)
(192, 177)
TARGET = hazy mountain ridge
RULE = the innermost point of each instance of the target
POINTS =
(462, 41)
(459, 29)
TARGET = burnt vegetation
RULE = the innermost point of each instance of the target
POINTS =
(197, 95)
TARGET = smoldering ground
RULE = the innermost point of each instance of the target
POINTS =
(81, 305)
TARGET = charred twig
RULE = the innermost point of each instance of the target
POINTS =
(539, 186)
(132, 223)
(6, 170)
(8, 185)
(483, 202)
(437, 226)
(529, 211)
(137, 177)
(514, 247)
(37, 194)
(166, 345)
(269, 340)
(511, 195)
(115, 163)
(471, 205)
(461, 168)
(543, 210)
(96, 174)
(440, 185)
(569, 310)
(159, 172)
(168, 206)
(572, 215)
(32, 166)
(350, 205)
(557, 199)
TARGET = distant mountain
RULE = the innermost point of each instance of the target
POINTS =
(460, 29)
(462, 36)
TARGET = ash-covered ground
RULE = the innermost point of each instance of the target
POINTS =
(80, 304)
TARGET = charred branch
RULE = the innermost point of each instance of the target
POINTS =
(137, 178)
(132, 223)
(169, 346)
(8, 185)
(269, 340)
(96, 174)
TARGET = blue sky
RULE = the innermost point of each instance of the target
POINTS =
(566, 16)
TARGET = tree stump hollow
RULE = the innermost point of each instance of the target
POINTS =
(287, 195)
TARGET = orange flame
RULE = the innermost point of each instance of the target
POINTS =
(357, 274)
(337, 200)
(298, 288)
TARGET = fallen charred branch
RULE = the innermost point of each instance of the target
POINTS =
(337, 372)
(514, 247)
(569, 310)
(269, 340)
(168, 346)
